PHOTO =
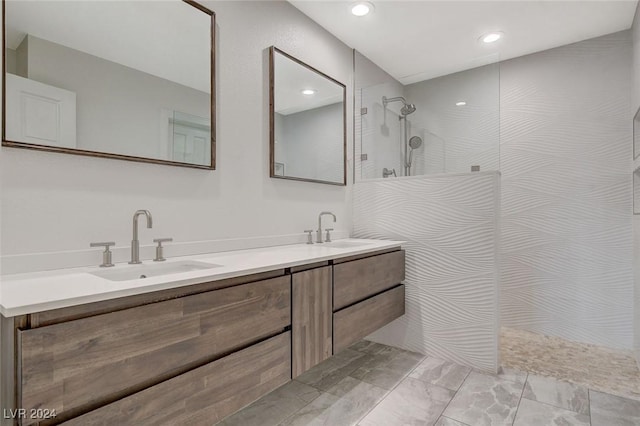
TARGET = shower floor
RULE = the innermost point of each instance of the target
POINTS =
(608, 370)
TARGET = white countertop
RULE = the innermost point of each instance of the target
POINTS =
(41, 291)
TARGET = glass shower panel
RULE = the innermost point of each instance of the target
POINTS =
(381, 134)
(452, 123)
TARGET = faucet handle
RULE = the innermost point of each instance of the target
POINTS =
(328, 237)
(162, 240)
(106, 254)
(160, 248)
(309, 237)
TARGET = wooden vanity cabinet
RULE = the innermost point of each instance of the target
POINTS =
(75, 366)
(367, 295)
(358, 279)
(312, 315)
(205, 395)
(358, 321)
(196, 354)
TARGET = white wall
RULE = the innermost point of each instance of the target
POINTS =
(450, 225)
(118, 109)
(55, 202)
(566, 192)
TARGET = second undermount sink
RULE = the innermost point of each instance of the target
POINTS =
(128, 272)
(346, 244)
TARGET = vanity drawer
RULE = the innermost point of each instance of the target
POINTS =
(355, 322)
(77, 365)
(204, 395)
(356, 280)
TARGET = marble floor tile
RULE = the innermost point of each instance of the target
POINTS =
(367, 346)
(326, 374)
(313, 413)
(388, 372)
(446, 421)
(440, 373)
(274, 407)
(554, 392)
(356, 389)
(533, 413)
(383, 377)
(610, 410)
(405, 361)
(485, 400)
(357, 399)
(412, 402)
(513, 375)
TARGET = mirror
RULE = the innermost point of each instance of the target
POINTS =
(129, 80)
(636, 135)
(307, 122)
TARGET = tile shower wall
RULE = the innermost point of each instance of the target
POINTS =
(566, 192)
(450, 225)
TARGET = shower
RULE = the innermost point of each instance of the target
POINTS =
(414, 143)
(406, 109)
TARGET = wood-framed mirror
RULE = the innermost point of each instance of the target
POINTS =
(126, 80)
(307, 117)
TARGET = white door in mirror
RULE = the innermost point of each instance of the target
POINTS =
(46, 116)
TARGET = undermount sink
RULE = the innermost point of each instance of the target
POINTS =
(345, 244)
(130, 272)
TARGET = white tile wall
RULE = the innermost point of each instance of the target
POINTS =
(450, 223)
(566, 192)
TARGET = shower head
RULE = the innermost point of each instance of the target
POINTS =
(406, 108)
(415, 142)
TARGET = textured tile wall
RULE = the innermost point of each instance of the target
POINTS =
(450, 224)
(566, 192)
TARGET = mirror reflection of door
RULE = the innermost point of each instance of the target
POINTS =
(189, 138)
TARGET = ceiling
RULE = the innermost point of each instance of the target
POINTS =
(419, 40)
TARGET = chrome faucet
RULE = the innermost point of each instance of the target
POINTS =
(135, 244)
(319, 231)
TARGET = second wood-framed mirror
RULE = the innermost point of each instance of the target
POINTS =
(307, 112)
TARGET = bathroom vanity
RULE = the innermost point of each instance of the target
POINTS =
(190, 347)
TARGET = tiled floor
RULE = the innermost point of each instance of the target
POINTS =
(372, 384)
(603, 369)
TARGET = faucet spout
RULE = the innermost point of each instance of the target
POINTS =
(319, 231)
(135, 243)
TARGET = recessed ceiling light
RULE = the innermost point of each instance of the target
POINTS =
(492, 37)
(461, 103)
(361, 8)
(308, 92)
